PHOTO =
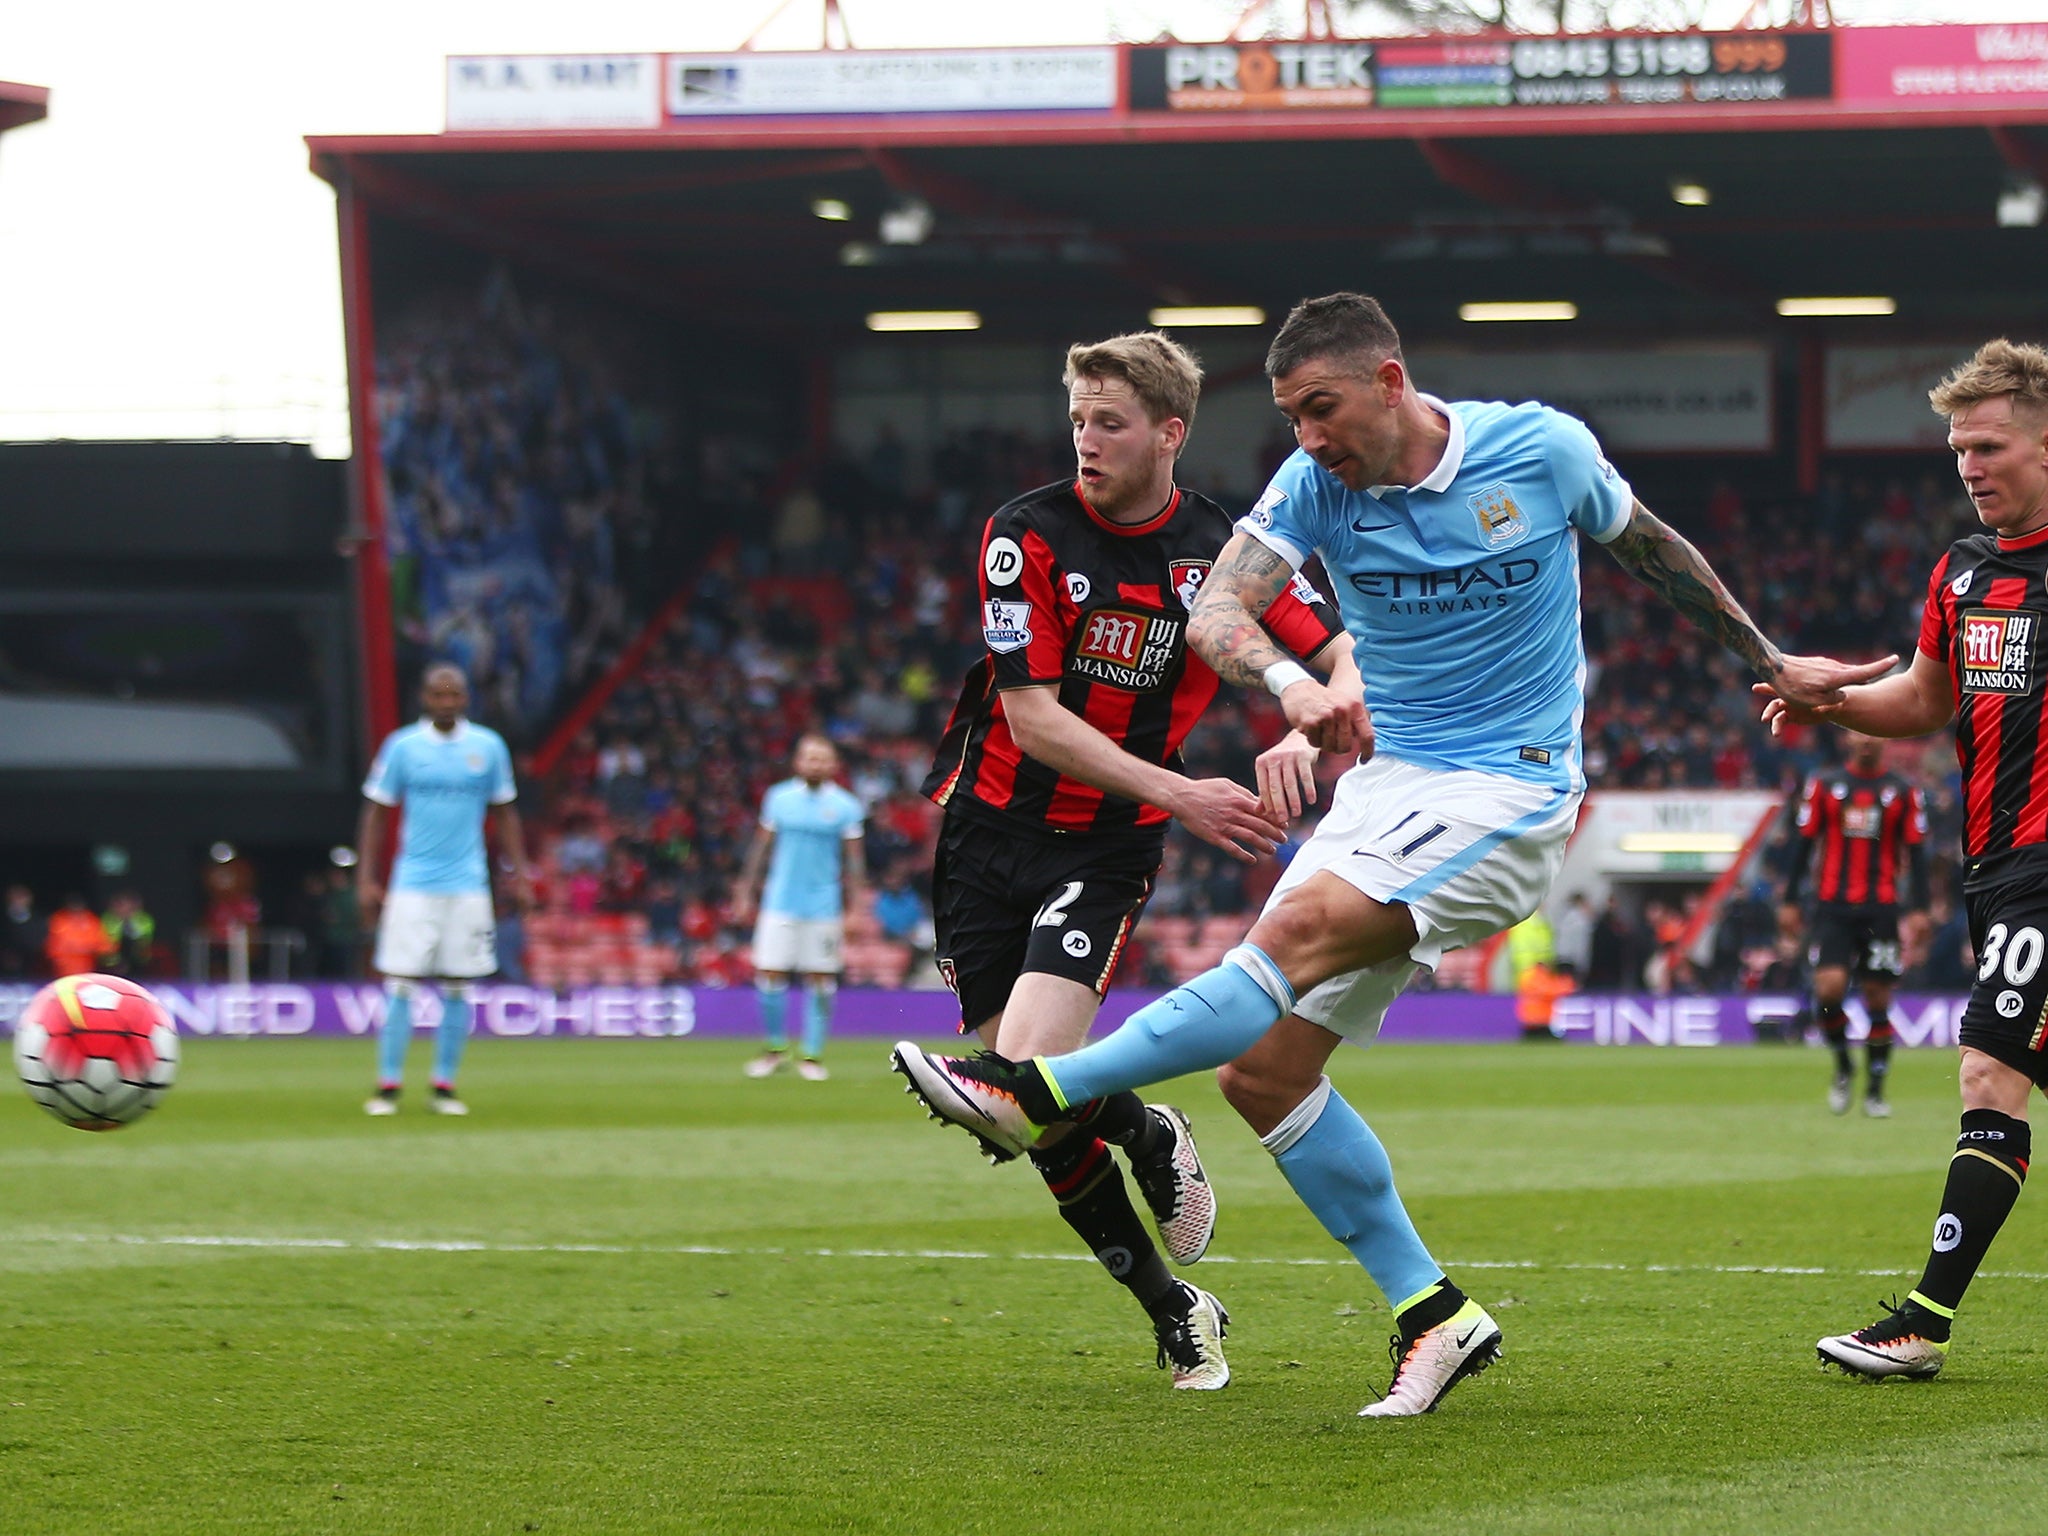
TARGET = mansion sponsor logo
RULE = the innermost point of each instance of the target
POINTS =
(1466, 589)
(1127, 649)
(1998, 651)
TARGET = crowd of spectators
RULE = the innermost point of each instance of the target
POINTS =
(523, 485)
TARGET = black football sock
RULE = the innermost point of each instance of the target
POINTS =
(1984, 1180)
(1089, 1187)
(1438, 1304)
(1123, 1120)
(1834, 1028)
(1877, 1053)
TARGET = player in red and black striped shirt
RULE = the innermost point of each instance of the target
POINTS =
(1980, 663)
(1060, 772)
(1863, 831)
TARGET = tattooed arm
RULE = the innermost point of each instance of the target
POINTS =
(1224, 630)
(1223, 626)
(1665, 561)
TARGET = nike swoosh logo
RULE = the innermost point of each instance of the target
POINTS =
(1360, 527)
(1468, 1335)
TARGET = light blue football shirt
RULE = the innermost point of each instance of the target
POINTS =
(447, 783)
(811, 827)
(1461, 593)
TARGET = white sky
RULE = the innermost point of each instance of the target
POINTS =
(167, 260)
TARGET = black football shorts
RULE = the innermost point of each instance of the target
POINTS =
(1005, 903)
(2007, 1015)
(1861, 938)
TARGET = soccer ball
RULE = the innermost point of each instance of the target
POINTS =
(95, 1051)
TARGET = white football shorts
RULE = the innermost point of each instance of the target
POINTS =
(808, 946)
(425, 934)
(1468, 853)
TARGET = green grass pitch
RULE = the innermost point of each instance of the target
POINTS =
(636, 1292)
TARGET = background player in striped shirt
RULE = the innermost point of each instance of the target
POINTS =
(1451, 533)
(804, 870)
(1979, 663)
(449, 774)
(1862, 832)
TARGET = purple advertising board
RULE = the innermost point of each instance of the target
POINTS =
(357, 1008)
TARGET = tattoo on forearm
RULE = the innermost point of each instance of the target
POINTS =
(1668, 565)
(1223, 626)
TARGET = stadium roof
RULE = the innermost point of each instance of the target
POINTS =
(1066, 219)
(22, 104)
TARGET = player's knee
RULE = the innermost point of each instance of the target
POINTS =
(1988, 1083)
(457, 991)
(400, 986)
(770, 981)
(1261, 1098)
(824, 986)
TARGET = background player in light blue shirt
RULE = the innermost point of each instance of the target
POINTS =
(809, 846)
(1450, 534)
(448, 774)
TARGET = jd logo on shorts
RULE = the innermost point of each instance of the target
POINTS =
(1077, 944)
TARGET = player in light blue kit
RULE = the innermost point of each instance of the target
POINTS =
(437, 924)
(809, 844)
(1451, 534)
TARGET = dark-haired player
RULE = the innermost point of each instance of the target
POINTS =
(1451, 534)
(1979, 663)
(1863, 832)
(1060, 771)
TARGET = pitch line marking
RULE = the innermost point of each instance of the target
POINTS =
(716, 1251)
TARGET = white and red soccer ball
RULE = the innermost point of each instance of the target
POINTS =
(95, 1051)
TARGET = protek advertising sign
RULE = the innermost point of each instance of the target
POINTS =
(1732, 69)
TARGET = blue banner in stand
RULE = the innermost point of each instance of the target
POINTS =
(357, 1008)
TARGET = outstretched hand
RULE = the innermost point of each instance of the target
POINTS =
(1810, 689)
(1229, 816)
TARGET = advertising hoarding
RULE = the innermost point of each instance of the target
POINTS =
(1691, 400)
(497, 92)
(857, 81)
(1929, 67)
(1877, 396)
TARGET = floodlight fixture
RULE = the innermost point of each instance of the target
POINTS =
(1831, 307)
(1538, 309)
(924, 320)
(1208, 314)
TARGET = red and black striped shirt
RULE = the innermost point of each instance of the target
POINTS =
(1101, 609)
(1862, 827)
(1986, 604)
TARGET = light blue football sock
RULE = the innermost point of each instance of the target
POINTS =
(1215, 1018)
(451, 1035)
(1343, 1175)
(817, 1018)
(773, 997)
(394, 1035)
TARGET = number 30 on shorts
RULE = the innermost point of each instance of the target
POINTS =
(2021, 953)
